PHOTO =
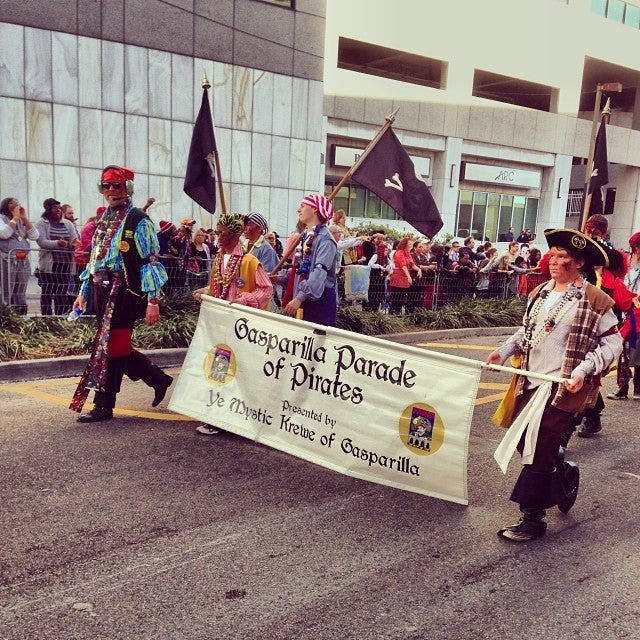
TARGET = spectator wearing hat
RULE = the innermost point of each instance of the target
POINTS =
(57, 240)
(314, 286)
(167, 229)
(255, 243)
(235, 276)
(569, 330)
(16, 230)
(125, 278)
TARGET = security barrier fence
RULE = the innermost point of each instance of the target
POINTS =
(31, 292)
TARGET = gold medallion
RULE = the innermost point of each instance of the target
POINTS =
(124, 246)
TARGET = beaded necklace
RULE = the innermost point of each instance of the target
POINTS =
(106, 228)
(222, 281)
(304, 266)
(534, 333)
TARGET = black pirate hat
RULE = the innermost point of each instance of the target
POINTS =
(592, 252)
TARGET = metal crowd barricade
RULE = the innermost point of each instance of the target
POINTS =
(28, 291)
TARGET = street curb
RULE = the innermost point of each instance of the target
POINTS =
(72, 366)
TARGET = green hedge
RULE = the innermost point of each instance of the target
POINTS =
(26, 338)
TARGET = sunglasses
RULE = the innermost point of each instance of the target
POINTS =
(113, 185)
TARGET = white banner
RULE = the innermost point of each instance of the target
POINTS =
(366, 407)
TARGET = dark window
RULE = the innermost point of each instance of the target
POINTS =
(358, 202)
(493, 86)
(488, 216)
(390, 63)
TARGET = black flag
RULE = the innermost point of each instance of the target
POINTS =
(199, 181)
(388, 171)
(600, 171)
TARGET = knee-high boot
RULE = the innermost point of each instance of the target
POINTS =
(139, 367)
(105, 401)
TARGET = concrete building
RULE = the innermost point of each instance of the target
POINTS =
(89, 83)
(498, 96)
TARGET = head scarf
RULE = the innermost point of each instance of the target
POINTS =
(233, 221)
(321, 204)
(598, 222)
(117, 174)
(258, 219)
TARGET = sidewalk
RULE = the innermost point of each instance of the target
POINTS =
(71, 366)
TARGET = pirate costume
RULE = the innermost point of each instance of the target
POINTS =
(315, 275)
(568, 332)
(124, 277)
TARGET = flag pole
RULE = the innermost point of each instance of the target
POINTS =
(387, 123)
(215, 160)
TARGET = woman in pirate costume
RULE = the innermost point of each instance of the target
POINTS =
(235, 276)
(125, 277)
(314, 288)
(569, 330)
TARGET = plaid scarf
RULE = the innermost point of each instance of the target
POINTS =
(583, 337)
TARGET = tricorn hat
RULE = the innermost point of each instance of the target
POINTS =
(578, 243)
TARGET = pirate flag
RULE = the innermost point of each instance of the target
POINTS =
(388, 171)
(600, 171)
(199, 181)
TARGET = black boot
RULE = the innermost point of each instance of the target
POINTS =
(139, 367)
(103, 404)
(104, 401)
(590, 426)
(530, 527)
(97, 414)
(534, 491)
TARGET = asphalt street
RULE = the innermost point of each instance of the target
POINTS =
(142, 529)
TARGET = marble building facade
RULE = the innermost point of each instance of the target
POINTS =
(73, 100)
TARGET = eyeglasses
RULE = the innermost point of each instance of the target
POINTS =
(113, 185)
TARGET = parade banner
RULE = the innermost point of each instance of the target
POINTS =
(369, 408)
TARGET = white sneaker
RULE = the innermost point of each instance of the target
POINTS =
(207, 429)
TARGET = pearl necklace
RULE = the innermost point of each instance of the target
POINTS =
(533, 334)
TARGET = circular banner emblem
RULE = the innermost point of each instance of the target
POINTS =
(220, 365)
(421, 429)
(124, 246)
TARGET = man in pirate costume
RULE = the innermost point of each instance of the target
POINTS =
(235, 276)
(569, 330)
(125, 278)
(314, 287)
(255, 242)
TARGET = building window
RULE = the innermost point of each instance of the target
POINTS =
(390, 63)
(359, 202)
(574, 202)
(488, 216)
(623, 12)
(493, 86)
